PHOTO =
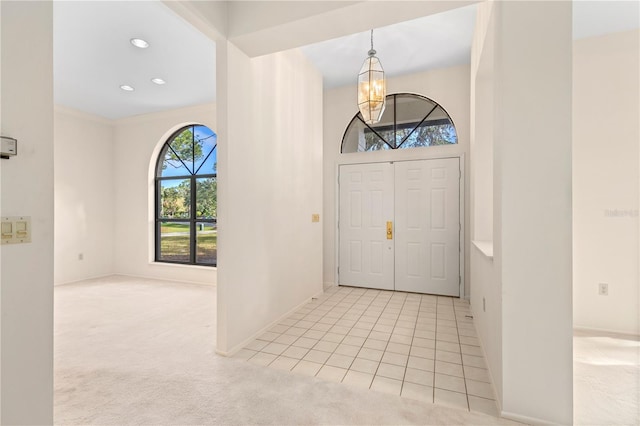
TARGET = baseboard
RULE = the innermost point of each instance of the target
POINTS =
(484, 355)
(525, 419)
(614, 333)
(254, 336)
(97, 277)
(167, 280)
(506, 414)
(328, 284)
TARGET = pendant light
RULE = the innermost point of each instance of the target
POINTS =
(372, 88)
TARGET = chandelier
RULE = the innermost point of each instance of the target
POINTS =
(372, 88)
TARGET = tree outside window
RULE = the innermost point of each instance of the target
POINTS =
(186, 198)
(408, 121)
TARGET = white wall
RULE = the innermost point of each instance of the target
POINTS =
(448, 86)
(84, 199)
(137, 143)
(605, 181)
(26, 289)
(270, 183)
(0, 213)
(486, 287)
(534, 79)
(527, 329)
(103, 164)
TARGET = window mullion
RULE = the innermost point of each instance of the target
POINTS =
(193, 195)
(376, 133)
(395, 123)
(157, 223)
(193, 149)
(416, 128)
(400, 119)
(182, 177)
(176, 255)
(193, 220)
(206, 158)
(178, 157)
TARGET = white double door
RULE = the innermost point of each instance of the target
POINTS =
(399, 226)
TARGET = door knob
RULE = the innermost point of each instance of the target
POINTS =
(389, 230)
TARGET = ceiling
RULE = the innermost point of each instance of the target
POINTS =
(93, 56)
(595, 18)
(444, 39)
(434, 41)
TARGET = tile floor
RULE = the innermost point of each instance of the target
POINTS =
(416, 346)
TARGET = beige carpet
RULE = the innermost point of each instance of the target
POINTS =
(133, 351)
(606, 379)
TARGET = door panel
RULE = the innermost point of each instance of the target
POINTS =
(427, 217)
(421, 198)
(366, 204)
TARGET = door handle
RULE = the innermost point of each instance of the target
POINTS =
(389, 230)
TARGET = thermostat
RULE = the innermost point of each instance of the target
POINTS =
(8, 147)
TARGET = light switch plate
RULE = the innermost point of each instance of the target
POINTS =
(8, 147)
(7, 231)
(16, 229)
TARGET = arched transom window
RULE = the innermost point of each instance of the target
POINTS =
(409, 121)
(186, 202)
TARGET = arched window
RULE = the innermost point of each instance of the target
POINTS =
(408, 121)
(186, 202)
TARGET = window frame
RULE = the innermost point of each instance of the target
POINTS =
(193, 220)
(395, 126)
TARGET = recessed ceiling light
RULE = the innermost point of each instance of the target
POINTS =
(138, 42)
(158, 81)
(127, 88)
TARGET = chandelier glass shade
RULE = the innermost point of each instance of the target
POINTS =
(372, 88)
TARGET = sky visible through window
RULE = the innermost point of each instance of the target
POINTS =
(186, 198)
(205, 163)
(409, 121)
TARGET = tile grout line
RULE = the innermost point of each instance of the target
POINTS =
(336, 298)
(466, 392)
(378, 293)
(298, 337)
(464, 374)
(309, 328)
(365, 338)
(411, 346)
(369, 334)
(345, 336)
(351, 290)
(387, 345)
(435, 349)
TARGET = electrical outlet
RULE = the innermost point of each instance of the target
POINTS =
(484, 305)
(603, 289)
